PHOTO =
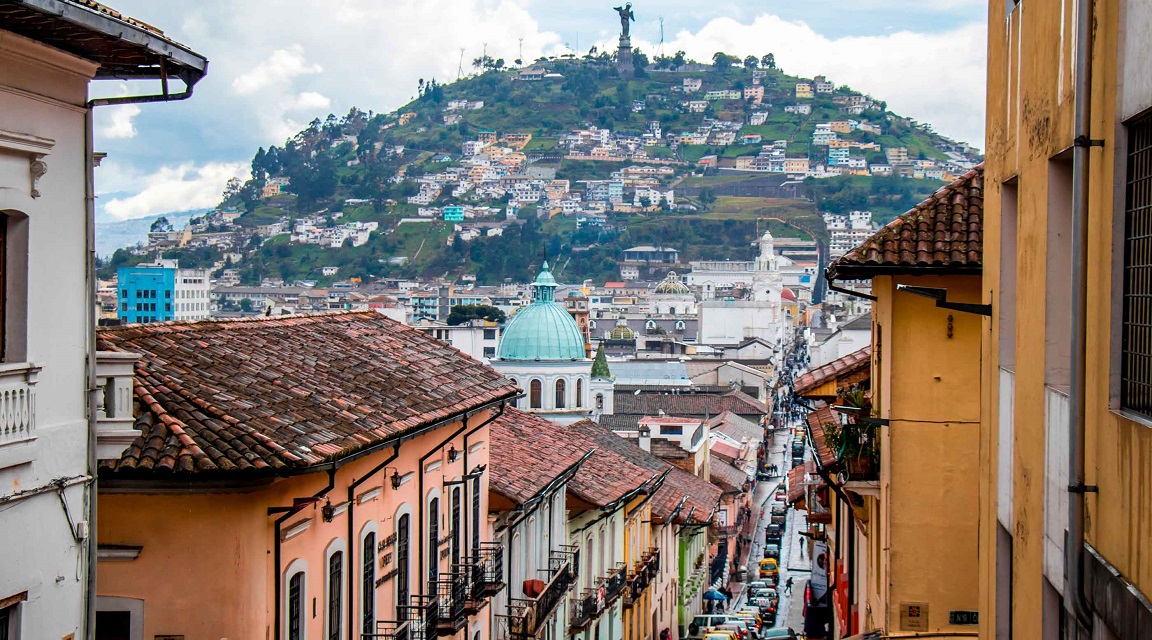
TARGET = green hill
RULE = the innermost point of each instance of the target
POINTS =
(375, 160)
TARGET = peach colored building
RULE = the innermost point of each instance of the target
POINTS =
(301, 477)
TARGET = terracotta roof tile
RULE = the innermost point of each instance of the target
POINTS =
(728, 478)
(693, 405)
(816, 420)
(267, 395)
(736, 427)
(527, 453)
(702, 496)
(859, 360)
(943, 232)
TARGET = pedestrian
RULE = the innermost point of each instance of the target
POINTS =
(788, 585)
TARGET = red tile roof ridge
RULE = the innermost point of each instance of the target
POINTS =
(948, 239)
(843, 365)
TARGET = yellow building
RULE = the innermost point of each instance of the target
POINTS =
(903, 467)
(1059, 249)
(804, 90)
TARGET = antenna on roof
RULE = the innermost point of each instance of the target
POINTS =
(660, 47)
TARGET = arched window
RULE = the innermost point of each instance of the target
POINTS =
(591, 324)
(534, 393)
(679, 325)
(403, 548)
(561, 388)
(672, 310)
(650, 325)
(579, 393)
(433, 540)
(335, 589)
(368, 585)
(599, 400)
(296, 606)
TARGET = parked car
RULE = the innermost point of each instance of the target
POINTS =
(772, 551)
(769, 567)
(778, 634)
(779, 508)
(774, 533)
(704, 623)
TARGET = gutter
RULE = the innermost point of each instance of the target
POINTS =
(298, 505)
(1074, 543)
(92, 392)
(352, 535)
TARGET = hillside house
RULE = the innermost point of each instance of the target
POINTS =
(801, 109)
(692, 85)
(804, 91)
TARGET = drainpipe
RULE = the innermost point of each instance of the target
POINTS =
(90, 373)
(1074, 553)
(300, 505)
(352, 534)
(420, 482)
(93, 393)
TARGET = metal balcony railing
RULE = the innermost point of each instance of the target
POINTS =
(530, 615)
(388, 630)
(422, 617)
(452, 595)
(613, 583)
(586, 608)
(487, 570)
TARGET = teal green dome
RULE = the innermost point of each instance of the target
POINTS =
(544, 330)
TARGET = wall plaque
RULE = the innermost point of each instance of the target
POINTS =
(914, 616)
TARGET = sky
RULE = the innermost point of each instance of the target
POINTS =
(274, 66)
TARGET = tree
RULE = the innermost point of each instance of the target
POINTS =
(245, 305)
(707, 197)
(646, 202)
(462, 313)
(679, 60)
(722, 60)
(751, 62)
(160, 224)
(769, 61)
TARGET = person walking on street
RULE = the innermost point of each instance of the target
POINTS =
(788, 585)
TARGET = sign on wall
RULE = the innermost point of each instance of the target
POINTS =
(820, 566)
(913, 616)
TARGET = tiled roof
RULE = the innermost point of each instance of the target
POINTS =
(796, 484)
(943, 233)
(736, 427)
(725, 449)
(519, 470)
(269, 395)
(816, 420)
(619, 422)
(702, 496)
(696, 405)
(858, 360)
(727, 477)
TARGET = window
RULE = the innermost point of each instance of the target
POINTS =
(368, 585)
(123, 306)
(335, 602)
(123, 293)
(455, 526)
(489, 352)
(403, 544)
(489, 334)
(476, 516)
(1136, 345)
(433, 541)
(534, 393)
(579, 392)
(561, 390)
(599, 401)
(296, 606)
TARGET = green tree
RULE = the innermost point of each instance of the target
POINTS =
(462, 313)
(160, 224)
(750, 62)
(769, 61)
(245, 305)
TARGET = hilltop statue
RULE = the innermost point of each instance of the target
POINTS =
(626, 16)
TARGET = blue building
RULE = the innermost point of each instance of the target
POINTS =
(454, 213)
(146, 294)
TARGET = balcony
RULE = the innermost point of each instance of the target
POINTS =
(452, 596)
(642, 576)
(388, 631)
(613, 584)
(115, 423)
(530, 615)
(17, 412)
(418, 620)
(484, 574)
(586, 608)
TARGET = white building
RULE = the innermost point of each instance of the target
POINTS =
(729, 322)
(48, 447)
(477, 338)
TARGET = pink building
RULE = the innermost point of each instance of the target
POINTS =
(300, 477)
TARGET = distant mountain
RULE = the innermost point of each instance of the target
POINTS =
(122, 234)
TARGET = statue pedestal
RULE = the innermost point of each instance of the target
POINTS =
(624, 57)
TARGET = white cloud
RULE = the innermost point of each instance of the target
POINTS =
(280, 68)
(115, 123)
(179, 188)
(937, 78)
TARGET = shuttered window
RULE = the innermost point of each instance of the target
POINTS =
(1136, 360)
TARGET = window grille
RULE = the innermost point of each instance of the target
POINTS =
(335, 572)
(368, 587)
(1136, 367)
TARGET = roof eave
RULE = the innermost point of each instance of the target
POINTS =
(840, 271)
(193, 66)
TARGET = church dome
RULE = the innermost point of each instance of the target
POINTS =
(622, 331)
(672, 285)
(788, 294)
(543, 330)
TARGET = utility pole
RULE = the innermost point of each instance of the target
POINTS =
(460, 65)
(660, 47)
(521, 56)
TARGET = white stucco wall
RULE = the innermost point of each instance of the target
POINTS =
(43, 94)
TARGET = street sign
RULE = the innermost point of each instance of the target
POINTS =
(963, 617)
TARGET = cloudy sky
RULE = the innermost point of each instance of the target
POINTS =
(274, 66)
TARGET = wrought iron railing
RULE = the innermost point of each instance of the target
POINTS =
(422, 617)
(452, 595)
(529, 615)
(388, 630)
(585, 608)
(613, 583)
(487, 570)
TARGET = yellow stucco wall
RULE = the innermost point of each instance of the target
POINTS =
(1030, 122)
(928, 384)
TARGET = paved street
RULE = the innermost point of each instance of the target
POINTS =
(794, 562)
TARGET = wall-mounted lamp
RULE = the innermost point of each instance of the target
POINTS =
(452, 453)
(395, 477)
(327, 512)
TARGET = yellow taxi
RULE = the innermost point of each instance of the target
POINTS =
(769, 568)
